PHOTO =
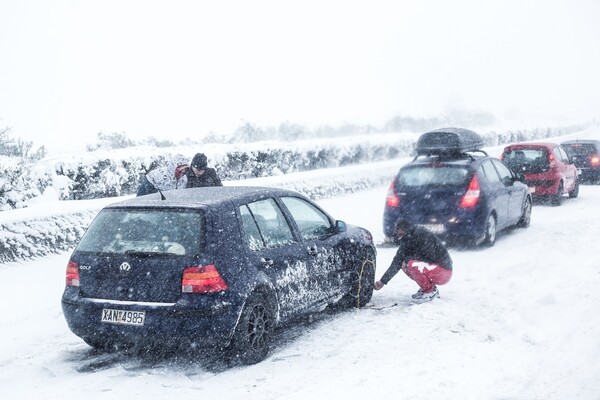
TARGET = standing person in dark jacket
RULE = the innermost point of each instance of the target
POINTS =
(200, 175)
(423, 257)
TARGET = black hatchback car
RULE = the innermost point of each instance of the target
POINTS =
(212, 267)
(456, 190)
(585, 154)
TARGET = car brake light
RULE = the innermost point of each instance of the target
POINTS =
(72, 276)
(471, 197)
(203, 279)
(551, 158)
(595, 160)
(392, 200)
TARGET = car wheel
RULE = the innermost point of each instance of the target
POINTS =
(557, 199)
(526, 215)
(575, 192)
(363, 280)
(253, 332)
(489, 237)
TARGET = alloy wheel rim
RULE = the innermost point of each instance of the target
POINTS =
(257, 327)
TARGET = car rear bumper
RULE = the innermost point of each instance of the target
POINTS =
(468, 224)
(202, 325)
(586, 174)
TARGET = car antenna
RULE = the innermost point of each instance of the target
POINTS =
(162, 196)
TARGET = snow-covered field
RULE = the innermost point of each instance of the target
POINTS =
(517, 321)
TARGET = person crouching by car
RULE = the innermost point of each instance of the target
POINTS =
(200, 175)
(423, 257)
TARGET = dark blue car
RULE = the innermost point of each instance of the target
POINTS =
(457, 191)
(212, 267)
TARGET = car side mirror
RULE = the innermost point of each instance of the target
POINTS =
(519, 177)
(340, 226)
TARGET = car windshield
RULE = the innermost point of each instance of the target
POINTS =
(430, 175)
(526, 160)
(580, 149)
(145, 231)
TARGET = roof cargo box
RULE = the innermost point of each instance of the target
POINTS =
(448, 141)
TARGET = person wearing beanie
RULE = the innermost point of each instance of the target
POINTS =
(200, 175)
(423, 258)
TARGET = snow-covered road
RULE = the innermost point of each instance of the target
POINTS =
(517, 321)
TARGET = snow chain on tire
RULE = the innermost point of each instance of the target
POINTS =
(360, 274)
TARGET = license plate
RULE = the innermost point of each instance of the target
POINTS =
(123, 317)
(434, 228)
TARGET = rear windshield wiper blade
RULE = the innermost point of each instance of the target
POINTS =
(137, 253)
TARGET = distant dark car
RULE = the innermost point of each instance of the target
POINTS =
(548, 170)
(456, 190)
(586, 156)
(216, 267)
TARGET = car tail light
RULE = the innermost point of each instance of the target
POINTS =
(72, 276)
(203, 279)
(595, 161)
(471, 197)
(551, 159)
(392, 199)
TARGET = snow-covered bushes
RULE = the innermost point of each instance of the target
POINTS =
(117, 172)
(41, 236)
(16, 185)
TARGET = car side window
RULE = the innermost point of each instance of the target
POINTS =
(557, 154)
(311, 221)
(489, 171)
(506, 176)
(252, 236)
(564, 155)
(270, 222)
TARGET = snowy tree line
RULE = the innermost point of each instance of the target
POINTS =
(115, 166)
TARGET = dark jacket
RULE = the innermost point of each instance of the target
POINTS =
(208, 178)
(146, 187)
(418, 244)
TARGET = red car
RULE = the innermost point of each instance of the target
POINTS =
(548, 170)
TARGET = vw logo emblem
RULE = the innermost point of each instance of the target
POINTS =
(125, 267)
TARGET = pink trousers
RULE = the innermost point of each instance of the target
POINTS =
(426, 275)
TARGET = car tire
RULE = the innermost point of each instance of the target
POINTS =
(526, 215)
(557, 199)
(575, 192)
(252, 334)
(491, 230)
(363, 280)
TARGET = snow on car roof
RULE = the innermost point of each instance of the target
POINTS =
(196, 197)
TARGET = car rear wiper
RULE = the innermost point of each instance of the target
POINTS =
(137, 253)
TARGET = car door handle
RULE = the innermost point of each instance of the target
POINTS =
(267, 262)
(312, 250)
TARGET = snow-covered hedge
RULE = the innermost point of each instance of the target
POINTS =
(111, 173)
(38, 232)
(42, 235)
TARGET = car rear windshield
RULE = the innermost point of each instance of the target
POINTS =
(580, 149)
(430, 175)
(527, 160)
(144, 231)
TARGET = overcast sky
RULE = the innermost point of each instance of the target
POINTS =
(71, 69)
